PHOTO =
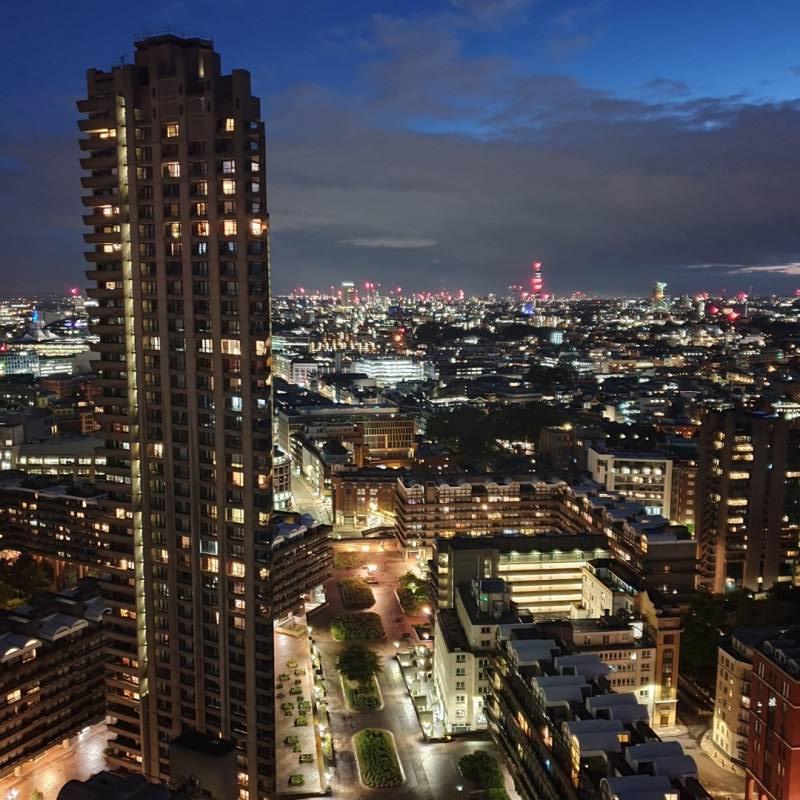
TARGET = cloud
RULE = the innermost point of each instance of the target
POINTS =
(733, 269)
(668, 87)
(391, 242)
(432, 142)
(781, 269)
(491, 10)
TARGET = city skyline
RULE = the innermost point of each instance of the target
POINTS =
(450, 145)
(497, 494)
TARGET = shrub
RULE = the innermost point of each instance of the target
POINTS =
(484, 770)
(301, 722)
(362, 695)
(356, 593)
(364, 625)
(409, 601)
(358, 662)
(377, 759)
(296, 780)
(348, 560)
(291, 740)
(411, 593)
(306, 758)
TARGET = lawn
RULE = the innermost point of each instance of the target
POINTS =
(356, 593)
(363, 625)
(377, 759)
(362, 695)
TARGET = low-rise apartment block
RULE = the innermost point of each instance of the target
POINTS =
(568, 736)
(52, 669)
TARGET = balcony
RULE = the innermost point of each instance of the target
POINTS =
(99, 122)
(107, 181)
(102, 238)
(104, 199)
(100, 161)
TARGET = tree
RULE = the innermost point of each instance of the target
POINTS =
(358, 662)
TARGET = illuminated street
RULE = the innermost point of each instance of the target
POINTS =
(82, 757)
(304, 501)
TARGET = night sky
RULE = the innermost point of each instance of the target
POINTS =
(446, 145)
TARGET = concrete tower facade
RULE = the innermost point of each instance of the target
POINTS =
(174, 154)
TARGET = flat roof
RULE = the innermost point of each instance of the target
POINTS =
(544, 542)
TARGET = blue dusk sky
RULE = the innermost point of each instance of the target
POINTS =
(449, 143)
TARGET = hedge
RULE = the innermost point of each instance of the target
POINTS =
(364, 625)
(377, 759)
(356, 593)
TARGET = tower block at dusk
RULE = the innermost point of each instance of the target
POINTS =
(174, 160)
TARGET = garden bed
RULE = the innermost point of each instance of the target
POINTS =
(348, 560)
(362, 695)
(364, 626)
(378, 765)
(356, 593)
(484, 770)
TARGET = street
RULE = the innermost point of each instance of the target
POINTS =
(718, 781)
(304, 501)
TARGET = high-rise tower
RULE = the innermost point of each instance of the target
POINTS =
(747, 508)
(174, 158)
(537, 280)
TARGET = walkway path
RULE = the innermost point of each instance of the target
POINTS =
(431, 769)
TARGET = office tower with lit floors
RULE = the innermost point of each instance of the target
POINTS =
(174, 156)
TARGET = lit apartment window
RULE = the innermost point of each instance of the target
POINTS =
(228, 186)
(173, 129)
(107, 211)
(201, 189)
(228, 167)
(200, 209)
(174, 230)
(229, 227)
(256, 227)
(237, 478)
(201, 229)
(230, 125)
(172, 169)
(236, 569)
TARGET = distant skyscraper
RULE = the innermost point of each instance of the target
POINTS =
(747, 508)
(177, 216)
(348, 293)
(537, 280)
(658, 292)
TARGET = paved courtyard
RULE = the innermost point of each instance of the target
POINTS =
(431, 769)
(81, 757)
